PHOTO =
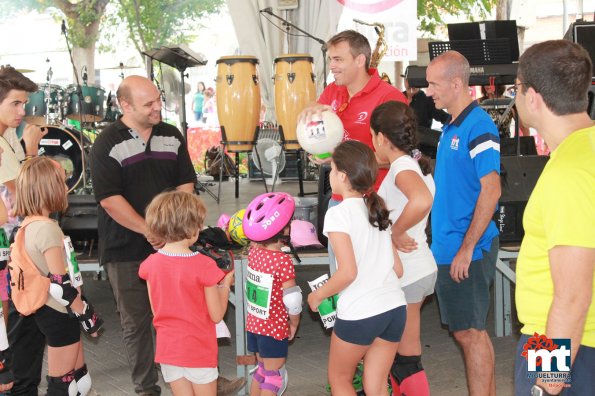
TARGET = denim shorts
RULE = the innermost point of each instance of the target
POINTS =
(388, 325)
(582, 380)
(465, 305)
(267, 347)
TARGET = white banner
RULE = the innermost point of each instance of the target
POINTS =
(399, 18)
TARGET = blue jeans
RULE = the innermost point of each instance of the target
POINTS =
(332, 260)
(582, 374)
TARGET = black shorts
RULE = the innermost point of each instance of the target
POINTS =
(465, 305)
(58, 328)
(388, 325)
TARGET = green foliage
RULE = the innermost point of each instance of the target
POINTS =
(154, 23)
(430, 12)
(83, 18)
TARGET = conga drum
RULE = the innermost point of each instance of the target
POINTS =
(294, 90)
(238, 100)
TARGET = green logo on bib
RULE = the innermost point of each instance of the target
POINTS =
(257, 295)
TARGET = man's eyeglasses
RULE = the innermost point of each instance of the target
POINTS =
(516, 87)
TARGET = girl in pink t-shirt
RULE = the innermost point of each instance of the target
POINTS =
(274, 301)
(188, 295)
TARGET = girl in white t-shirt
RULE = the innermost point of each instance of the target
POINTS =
(408, 190)
(371, 310)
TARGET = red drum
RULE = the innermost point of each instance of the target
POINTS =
(238, 100)
(294, 90)
(63, 145)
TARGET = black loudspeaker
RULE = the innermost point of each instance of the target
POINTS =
(509, 220)
(80, 220)
(518, 176)
(428, 140)
(508, 146)
(583, 33)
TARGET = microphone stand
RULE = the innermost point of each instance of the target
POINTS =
(80, 106)
(323, 47)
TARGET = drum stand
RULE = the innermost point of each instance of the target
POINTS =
(80, 102)
(224, 143)
(299, 153)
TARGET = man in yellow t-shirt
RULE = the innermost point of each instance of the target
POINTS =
(555, 267)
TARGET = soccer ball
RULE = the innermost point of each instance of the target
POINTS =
(321, 135)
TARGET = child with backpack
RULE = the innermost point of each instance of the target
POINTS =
(371, 310)
(6, 377)
(188, 295)
(274, 301)
(41, 190)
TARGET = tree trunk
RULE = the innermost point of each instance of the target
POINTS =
(83, 37)
(84, 57)
(503, 10)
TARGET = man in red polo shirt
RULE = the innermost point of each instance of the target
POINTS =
(354, 95)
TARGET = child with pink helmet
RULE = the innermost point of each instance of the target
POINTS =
(273, 300)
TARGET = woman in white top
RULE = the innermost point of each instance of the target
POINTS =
(371, 310)
(408, 190)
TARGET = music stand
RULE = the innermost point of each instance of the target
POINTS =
(179, 58)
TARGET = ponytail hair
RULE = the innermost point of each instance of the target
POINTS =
(398, 123)
(358, 162)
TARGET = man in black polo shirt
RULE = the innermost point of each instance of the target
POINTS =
(132, 161)
(423, 106)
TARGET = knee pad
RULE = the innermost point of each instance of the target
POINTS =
(292, 298)
(258, 373)
(62, 386)
(272, 381)
(83, 380)
(405, 366)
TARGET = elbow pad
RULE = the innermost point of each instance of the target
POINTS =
(61, 289)
(292, 298)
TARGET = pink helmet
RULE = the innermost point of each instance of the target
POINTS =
(303, 233)
(223, 221)
(267, 215)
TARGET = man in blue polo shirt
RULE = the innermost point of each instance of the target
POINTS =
(464, 237)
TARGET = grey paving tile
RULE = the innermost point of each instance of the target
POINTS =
(308, 355)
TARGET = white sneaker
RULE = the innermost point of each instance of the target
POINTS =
(285, 380)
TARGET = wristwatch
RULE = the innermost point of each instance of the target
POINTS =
(537, 390)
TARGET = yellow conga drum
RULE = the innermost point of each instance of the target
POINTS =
(238, 100)
(294, 89)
